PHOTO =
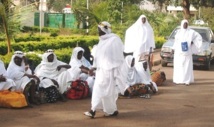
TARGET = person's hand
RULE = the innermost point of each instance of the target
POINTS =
(55, 83)
(38, 80)
(58, 68)
(91, 73)
(2, 78)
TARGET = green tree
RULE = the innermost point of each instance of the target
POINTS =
(186, 4)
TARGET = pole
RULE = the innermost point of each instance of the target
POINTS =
(199, 15)
(40, 18)
(87, 23)
(121, 14)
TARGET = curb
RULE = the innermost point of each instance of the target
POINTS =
(156, 62)
(157, 58)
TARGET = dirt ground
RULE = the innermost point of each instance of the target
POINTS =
(172, 106)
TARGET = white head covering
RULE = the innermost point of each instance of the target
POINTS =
(2, 68)
(74, 60)
(128, 60)
(139, 37)
(104, 24)
(109, 51)
(48, 69)
(144, 74)
(182, 23)
(129, 72)
(13, 68)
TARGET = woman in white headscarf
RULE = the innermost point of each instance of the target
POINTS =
(145, 76)
(53, 72)
(5, 83)
(25, 83)
(185, 40)
(129, 71)
(139, 39)
(78, 60)
(107, 61)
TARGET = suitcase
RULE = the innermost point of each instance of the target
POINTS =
(11, 99)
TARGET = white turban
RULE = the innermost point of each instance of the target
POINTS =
(19, 54)
(105, 27)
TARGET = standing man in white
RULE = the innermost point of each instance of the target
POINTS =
(108, 61)
(185, 39)
(139, 39)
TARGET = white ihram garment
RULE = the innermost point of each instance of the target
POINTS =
(48, 70)
(183, 62)
(8, 83)
(130, 73)
(108, 61)
(16, 73)
(75, 62)
(139, 38)
(145, 75)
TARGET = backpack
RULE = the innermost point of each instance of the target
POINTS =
(79, 90)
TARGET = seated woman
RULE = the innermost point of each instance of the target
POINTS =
(5, 83)
(25, 83)
(131, 76)
(53, 72)
(130, 71)
(78, 60)
(143, 71)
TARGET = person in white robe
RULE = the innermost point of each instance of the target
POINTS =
(5, 82)
(79, 61)
(25, 83)
(130, 72)
(185, 40)
(145, 76)
(53, 72)
(108, 61)
(139, 39)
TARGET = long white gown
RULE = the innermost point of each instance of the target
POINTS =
(49, 71)
(9, 83)
(183, 62)
(108, 61)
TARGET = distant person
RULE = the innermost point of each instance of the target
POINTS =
(107, 61)
(185, 39)
(139, 40)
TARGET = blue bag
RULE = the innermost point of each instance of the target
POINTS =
(184, 46)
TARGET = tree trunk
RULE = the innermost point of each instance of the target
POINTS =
(4, 23)
(7, 35)
(186, 7)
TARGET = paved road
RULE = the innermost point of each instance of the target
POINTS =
(172, 106)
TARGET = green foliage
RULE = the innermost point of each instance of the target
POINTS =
(50, 43)
(207, 15)
(159, 42)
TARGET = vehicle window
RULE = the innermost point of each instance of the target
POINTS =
(204, 33)
(172, 36)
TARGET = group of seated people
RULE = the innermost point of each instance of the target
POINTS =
(58, 75)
